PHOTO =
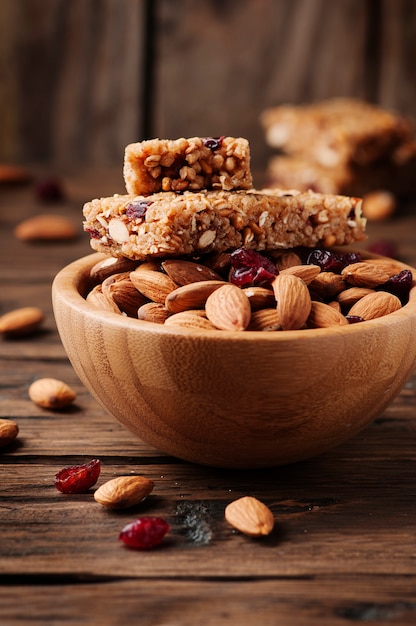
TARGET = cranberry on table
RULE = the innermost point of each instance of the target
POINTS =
(384, 247)
(78, 478)
(144, 533)
(49, 190)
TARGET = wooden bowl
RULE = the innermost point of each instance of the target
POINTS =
(234, 399)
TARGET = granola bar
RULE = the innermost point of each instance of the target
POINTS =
(187, 164)
(397, 174)
(336, 131)
(170, 224)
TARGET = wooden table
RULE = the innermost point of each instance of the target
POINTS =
(343, 550)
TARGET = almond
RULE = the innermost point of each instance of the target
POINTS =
(306, 272)
(327, 285)
(219, 262)
(185, 272)
(8, 432)
(293, 301)
(47, 227)
(11, 173)
(250, 516)
(390, 265)
(265, 320)
(260, 297)
(379, 205)
(192, 296)
(21, 322)
(288, 259)
(101, 301)
(190, 319)
(154, 285)
(228, 308)
(118, 230)
(126, 297)
(150, 264)
(50, 393)
(121, 290)
(153, 312)
(123, 492)
(366, 274)
(335, 305)
(111, 265)
(350, 296)
(375, 305)
(324, 316)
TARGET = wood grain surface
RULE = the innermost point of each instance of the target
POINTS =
(81, 79)
(343, 548)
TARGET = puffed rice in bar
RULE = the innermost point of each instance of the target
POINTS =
(170, 224)
(187, 164)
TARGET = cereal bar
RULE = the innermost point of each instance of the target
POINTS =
(187, 164)
(170, 224)
(398, 174)
(336, 131)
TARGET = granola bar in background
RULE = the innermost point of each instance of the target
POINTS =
(340, 146)
(336, 131)
(398, 175)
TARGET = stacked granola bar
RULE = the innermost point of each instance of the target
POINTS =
(194, 196)
(341, 145)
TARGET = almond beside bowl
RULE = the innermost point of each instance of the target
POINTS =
(234, 399)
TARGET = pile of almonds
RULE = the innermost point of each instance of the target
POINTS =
(204, 295)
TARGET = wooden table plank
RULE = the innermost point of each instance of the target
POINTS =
(289, 601)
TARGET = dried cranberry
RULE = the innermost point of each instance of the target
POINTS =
(384, 248)
(330, 261)
(49, 190)
(213, 143)
(137, 209)
(399, 285)
(354, 319)
(78, 478)
(144, 532)
(250, 268)
(94, 234)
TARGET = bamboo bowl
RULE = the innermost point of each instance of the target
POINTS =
(230, 399)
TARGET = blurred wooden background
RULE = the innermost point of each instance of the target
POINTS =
(82, 78)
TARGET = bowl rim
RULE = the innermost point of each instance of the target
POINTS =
(72, 279)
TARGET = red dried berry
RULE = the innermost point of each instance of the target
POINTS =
(354, 319)
(399, 285)
(213, 143)
(144, 533)
(330, 261)
(49, 190)
(78, 478)
(250, 268)
(137, 209)
(384, 248)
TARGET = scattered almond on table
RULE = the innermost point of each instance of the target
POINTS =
(22, 321)
(250, 516)
(45, 227)
(8, 432)
(123, 492)
(50, 393)
(379, 205)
